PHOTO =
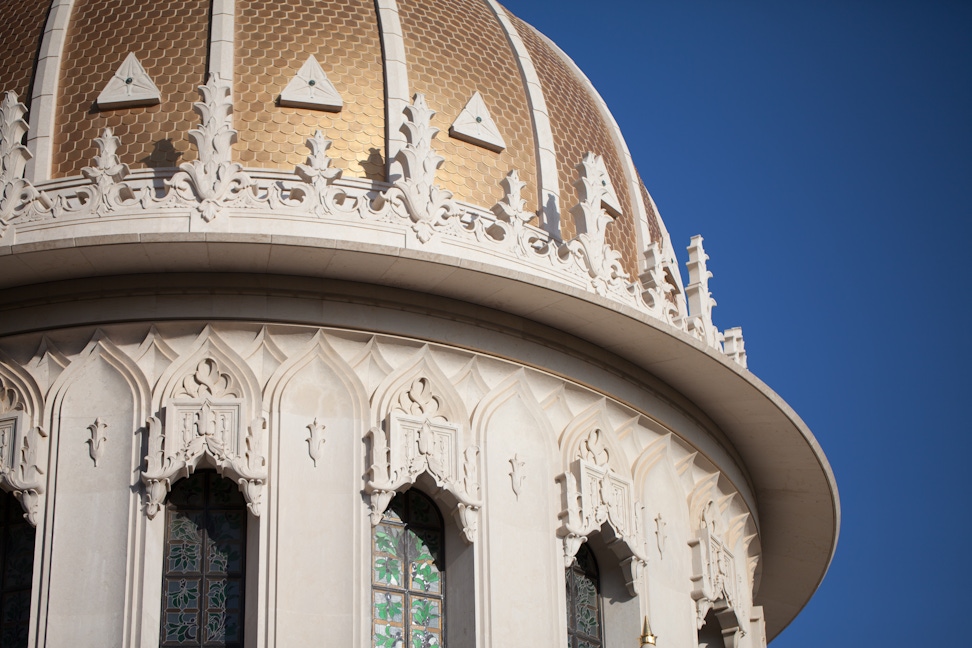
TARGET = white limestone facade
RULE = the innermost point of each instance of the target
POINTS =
(361, 264)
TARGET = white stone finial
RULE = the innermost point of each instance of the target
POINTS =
(214, 179)
(734, 346)
(700, 302)
(601, 261)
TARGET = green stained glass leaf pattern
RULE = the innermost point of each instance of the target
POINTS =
(215, 627)
(386, 541)
(387, 636)
(421, 639)
(184, 558)
(388, 606)
(407, 575)
(425, 576)
(183, 528)
(425, 613)
(203, 578)
(181, 627)
(183, 595)
(388, 570)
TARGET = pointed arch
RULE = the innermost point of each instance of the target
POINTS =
(14, 376)
(96, 520)
(101, 347)
(577, 432)
(520, 461)
(317, 348)
(421, 431)
(317, 409)
(209, 345)
(422, 365)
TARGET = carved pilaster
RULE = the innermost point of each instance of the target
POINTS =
(700, 302)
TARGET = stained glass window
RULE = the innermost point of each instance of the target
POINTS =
(584, 602)
(408, 574)
(16, 572)
(205, 551)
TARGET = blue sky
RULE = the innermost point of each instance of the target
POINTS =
(824, 151)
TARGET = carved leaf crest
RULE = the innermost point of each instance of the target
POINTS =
(209, 381)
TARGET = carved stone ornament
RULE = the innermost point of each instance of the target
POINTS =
(310, 88)
(516, 474)
(315, 442)
(416, 196)
(202, 423)
(19, 200)
(324, 197)
(418, 440)
(20, 463)
(658, 292)
(715, 584)
(595, 496)
(700, 302)
(129, 86)
(214, 180)
(475, 125)
(96, 444)
(602, 262)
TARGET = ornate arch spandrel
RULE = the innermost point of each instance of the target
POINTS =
(421, 429)
(23, 441)
(210, 408)
(599, 497)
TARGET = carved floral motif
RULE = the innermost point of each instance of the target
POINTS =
(18, 197)
(516, 474)
(213, 183)
(315, 442)
(96, 444)
(602, 262)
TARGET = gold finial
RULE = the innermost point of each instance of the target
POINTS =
(647, 638)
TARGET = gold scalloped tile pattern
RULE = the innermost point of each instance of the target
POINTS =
(578, 127)
(170, 40)
(20, 36)
(454, 48)
(653, 227)
(273, 40)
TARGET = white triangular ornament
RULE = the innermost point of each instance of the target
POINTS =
(310, 88)
(610, 197)
(130, 86)
(474, 125)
